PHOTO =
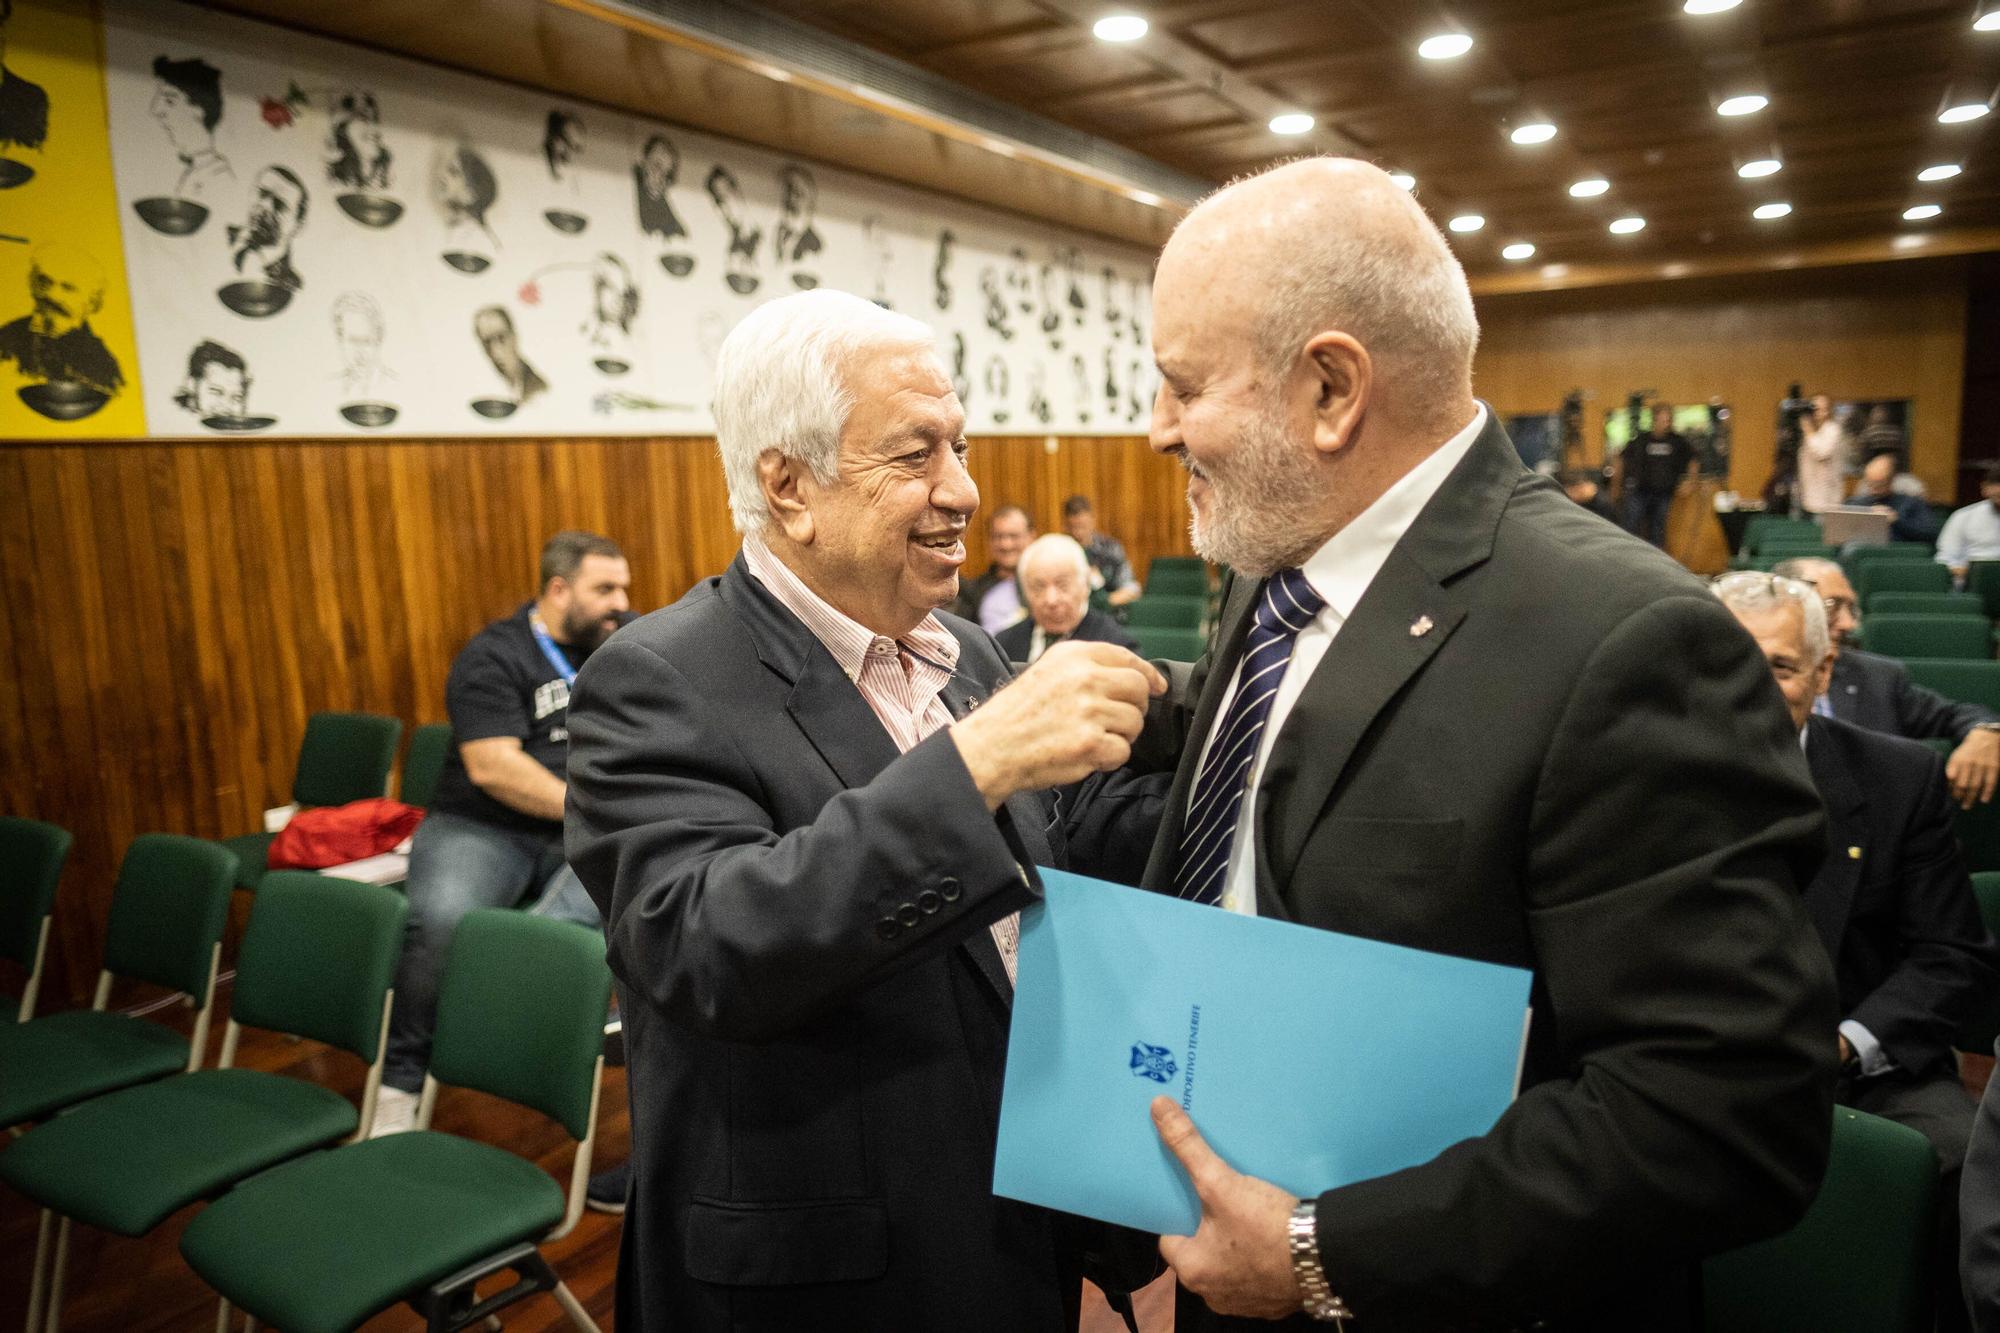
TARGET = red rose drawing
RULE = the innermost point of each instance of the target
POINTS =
(530, 294)
(276, 114)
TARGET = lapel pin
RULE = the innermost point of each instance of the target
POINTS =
(1854, 853)
(1421, 626)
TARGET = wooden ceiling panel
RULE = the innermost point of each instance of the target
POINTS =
(1279, 31)
(1631, 84)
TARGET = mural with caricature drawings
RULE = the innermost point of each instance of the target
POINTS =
(322, 240)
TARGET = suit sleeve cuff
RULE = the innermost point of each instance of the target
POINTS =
(1874, 1060)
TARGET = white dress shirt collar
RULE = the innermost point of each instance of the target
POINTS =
(1341, 570)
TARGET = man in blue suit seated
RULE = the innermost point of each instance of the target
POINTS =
(1055, 583)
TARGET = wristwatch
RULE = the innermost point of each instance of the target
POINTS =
(1317, 1299)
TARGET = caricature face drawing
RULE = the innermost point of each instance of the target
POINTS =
(263, 241)
(187, 105)
(357, 336)
(217, 387)
(356, 155)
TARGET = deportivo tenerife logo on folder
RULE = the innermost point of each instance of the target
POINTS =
(1153, 1062)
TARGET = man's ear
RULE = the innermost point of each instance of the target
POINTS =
(1342, 374)
(787, 488)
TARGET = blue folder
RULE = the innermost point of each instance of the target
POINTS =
(1307, 1058)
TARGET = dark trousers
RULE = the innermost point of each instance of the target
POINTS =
(1646, 514)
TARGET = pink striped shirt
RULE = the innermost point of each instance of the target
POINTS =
(903, 681)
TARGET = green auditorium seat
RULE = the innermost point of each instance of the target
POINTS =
(1868, 555)
(318, 960)
(1927, 604)
(167, 913)
(1173, 576)
(1979, 1030)
(343, 757)
(1951, 636)
(1958, 678)
(31, 861)
(1858, 1262)
(1175, 645)
(1763, 528)
(1153, 612)
(1982, 579)
(424, 764)
(325, 1242)
(1900, 576)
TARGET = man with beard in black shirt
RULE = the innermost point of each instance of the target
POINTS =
(1654, 466)
(493, 834)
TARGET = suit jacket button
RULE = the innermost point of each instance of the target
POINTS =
(948, 889)
(887, 929)
(929, 902)
(907, 914)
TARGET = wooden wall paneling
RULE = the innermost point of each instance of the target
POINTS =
(1872, 332)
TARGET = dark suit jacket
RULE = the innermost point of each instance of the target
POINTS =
(1876, 692)
(1892, 900)
(816, 1015)
(1579, 766)
(1095, 627)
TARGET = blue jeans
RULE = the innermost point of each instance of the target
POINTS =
(458, 865)
(1646, 514)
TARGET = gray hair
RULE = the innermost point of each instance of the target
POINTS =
(1806, 568)
(1059, 544)
(1748, 590)
(1399, 291)
(781, 383)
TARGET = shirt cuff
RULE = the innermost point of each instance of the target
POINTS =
(1874, 1060)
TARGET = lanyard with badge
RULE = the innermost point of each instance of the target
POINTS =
(550, 651)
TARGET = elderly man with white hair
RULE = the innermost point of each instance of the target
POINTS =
(810, 871)
(1894, 906)
(1448, 709)
(1055, 583)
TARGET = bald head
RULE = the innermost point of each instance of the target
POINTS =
(1333, 244)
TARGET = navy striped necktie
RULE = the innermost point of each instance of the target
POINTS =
(1288, 605)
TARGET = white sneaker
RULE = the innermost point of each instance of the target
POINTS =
(395, 1111)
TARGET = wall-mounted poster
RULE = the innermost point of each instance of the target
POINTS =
(327, 241)
(68, 364)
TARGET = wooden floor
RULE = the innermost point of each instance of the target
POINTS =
(118, 1285)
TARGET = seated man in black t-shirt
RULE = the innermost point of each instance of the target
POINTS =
(493, 834)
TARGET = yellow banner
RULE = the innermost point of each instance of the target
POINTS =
(69, 367)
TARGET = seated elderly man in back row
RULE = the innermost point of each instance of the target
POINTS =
(810, 873)
(1055, 584)
(1892, 901)
(1876, 692)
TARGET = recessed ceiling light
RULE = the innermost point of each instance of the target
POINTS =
(1921, 213)
(1964, 111)
(1988, 22)
(1944, 171)
(1626, 226)
(1709, 6)
(1466, 222)
(1539, 131)
(1518, 250)
(1445, 46)
(1292, 122)
(1120, 28)
(1589, 189)
(1403, 180)
(1765, 212)
(1761, 167)
(1743, 104)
